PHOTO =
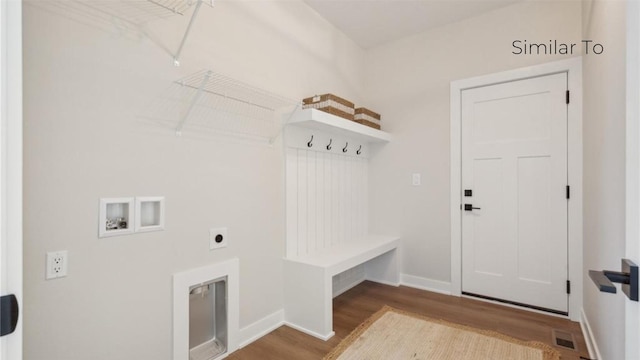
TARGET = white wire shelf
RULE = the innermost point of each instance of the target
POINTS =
(210, 102)
(134, 12)
(126, 16)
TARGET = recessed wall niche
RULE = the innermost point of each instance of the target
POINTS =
(126, 215)
(149, 213)
(116, 216)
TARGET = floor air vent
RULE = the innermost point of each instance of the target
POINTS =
(564, 339)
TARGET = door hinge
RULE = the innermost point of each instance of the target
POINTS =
(568, 192)
(568, 287)
(568, 97)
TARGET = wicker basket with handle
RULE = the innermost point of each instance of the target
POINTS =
(331, 104)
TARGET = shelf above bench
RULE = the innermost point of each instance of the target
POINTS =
(320, 120)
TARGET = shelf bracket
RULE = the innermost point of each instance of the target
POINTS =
(160, 4)
(195, 99)
(284, 124)
(176, 58)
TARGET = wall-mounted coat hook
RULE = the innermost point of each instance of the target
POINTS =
(344, 149)
(310, 143)
(628, 277)
(329, 145)
(359, 151)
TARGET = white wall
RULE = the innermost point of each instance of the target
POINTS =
(632, 309)
(408, 82)
(604, 169)
(85, 83)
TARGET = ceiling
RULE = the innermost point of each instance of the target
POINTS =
(373, 22)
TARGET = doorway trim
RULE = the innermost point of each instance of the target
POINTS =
(573, 68)
(632, 246)
(11, 167)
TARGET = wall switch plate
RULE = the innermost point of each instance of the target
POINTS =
(416, 180)
(218, 238)
(57, 263)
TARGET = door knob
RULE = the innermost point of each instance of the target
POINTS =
(469, 207)
(9, 311)
(628, 277)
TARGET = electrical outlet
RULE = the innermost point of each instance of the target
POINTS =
(218, 238)
(57, 262)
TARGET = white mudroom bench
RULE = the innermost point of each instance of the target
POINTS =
(327, 202)
(308, 280)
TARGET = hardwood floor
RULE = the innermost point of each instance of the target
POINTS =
(353, 307)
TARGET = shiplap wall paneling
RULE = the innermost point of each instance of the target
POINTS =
(326, 198)
(312, 201)
(335, 196)
(302, 204)
(291, 194)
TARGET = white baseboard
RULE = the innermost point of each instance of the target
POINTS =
(346, 287)
(261, 328)
(309, 332)
(383, 282)
(437, 286)
(592, 345)
(269, 323)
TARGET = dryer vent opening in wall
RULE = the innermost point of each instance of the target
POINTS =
(206, 311)
(208, 320)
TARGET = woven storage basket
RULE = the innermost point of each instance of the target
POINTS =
(367, 117)
(331, 104)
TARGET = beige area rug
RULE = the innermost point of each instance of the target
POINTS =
(392, 334)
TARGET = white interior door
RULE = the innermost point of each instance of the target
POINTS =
(11, 167)
(514, 161)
